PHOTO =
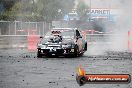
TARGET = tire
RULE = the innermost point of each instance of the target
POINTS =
(85, 47)
(39, 55)
(76, 49)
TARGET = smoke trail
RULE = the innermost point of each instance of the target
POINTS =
(122, 24)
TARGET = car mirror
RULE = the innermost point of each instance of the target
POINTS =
(80, 36)
(50, 40)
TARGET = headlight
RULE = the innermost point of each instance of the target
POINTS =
(68, 45)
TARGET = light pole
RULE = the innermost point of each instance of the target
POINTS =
(90, 9)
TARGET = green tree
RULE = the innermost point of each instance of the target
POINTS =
(82, 9)
(54, 9)
(37, 10)
(8, 4)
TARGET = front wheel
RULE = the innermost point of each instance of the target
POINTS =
(39, 55)
(76, 49)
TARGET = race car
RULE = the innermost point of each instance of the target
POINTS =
(62, 42)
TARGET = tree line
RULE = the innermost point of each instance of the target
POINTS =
(39, 10)
(35, 10)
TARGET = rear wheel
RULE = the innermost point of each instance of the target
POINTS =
(85, 47)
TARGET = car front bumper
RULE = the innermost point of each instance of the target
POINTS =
(59, 52)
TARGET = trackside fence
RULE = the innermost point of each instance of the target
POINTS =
(23, 28)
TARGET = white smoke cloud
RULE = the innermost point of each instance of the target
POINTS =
(123, 23)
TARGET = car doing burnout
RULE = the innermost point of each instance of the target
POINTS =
(62, 42)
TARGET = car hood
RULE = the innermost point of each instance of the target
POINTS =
(66, 41)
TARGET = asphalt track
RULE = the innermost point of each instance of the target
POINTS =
(20, 68)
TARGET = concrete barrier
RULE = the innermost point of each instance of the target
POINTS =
(13, 41)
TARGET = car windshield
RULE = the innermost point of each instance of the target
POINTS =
(65, 34)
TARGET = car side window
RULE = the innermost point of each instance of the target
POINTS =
(77, 33)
